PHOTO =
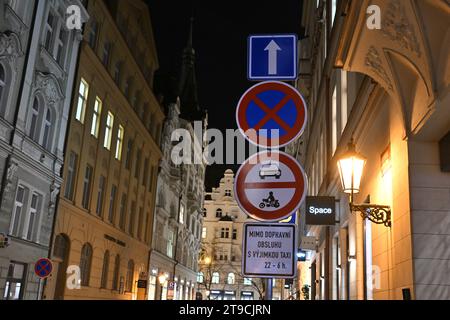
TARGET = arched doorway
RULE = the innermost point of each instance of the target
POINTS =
(61, 255)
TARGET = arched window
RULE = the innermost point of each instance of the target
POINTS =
(61, 247)
(219, 213)
(105, 270)
(130, 276)
(200, 277)
(47, 127)
(85, 264)
(215, 278)
(231, 278)
(34, 127)
(61, 251)
(115, 282)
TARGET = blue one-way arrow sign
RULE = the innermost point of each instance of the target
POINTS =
(272, 57)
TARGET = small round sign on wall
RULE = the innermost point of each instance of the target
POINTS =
(43, 268)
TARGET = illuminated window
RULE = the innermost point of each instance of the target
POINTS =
(200, 277)
(96, 117)
(181, 214)
(119, 143)
(108, 130)
(231, 278)
(247, 281)
(333, 11)
(83, 92)
(215, 278)
(204, 230)
(344, 102)
(334, 121)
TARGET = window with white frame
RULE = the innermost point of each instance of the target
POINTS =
(33, 217)
(96, 117)
(200, 277)
(34, 123)
(108, 130)
(61, 45)
(83, 92)
(231, 278)
(170, 243)
(119, 143)
(21, 194)
(47, 128)
(215, 278)
(50, 27)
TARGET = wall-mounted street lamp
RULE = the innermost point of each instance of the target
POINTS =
(162, 280)
(351, 166)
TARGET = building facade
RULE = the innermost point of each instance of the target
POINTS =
(104, 224)
(220, 276)
(38, 55)
(387, 89)
(180, 191)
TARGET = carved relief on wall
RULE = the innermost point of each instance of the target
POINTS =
(10, 175)
(10, 47)
(397, 27)
(373, 61)
(49, 87)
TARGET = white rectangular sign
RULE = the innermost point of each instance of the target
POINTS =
(269, 250)
(308, 243)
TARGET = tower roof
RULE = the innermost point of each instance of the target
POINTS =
(187, 85)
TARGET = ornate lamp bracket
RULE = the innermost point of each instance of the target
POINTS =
(378, 214)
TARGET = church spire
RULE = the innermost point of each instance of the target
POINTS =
(187, 85)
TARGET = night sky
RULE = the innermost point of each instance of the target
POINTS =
(220, 36)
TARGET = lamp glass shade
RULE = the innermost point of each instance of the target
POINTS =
(162, 279)
(351, 166)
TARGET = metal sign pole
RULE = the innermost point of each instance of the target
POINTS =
(269, 289)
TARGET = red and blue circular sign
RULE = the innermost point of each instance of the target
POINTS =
(43, 268)
(271, 114)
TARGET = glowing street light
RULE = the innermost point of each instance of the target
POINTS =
(351, 166)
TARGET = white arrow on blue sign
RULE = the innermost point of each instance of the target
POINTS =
(272, 57)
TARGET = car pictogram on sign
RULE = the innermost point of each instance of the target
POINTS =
(270, 198)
